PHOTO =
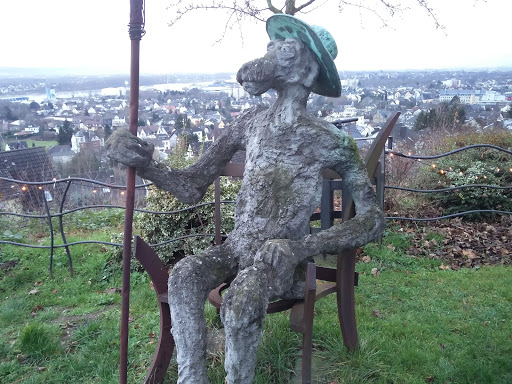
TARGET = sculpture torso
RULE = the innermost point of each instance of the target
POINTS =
(282, 179)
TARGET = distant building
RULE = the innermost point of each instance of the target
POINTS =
(30, 164)
(16, 145)
(492, 97)
(466, 96)
(85, 139)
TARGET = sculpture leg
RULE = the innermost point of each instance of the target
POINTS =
(189, 283)
(243, 313)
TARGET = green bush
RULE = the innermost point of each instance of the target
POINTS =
(473, 166)
(156, 228)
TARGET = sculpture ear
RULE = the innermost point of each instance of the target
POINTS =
(313, 70)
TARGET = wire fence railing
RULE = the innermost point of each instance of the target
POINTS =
(49, 200)
(55, 199)
(453, 187)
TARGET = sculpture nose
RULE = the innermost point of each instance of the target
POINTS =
(261, 69)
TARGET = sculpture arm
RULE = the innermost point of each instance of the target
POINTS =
(189, 184)
(368, 223)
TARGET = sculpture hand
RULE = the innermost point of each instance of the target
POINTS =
(128, 149)
(278, 257)
(276, 253)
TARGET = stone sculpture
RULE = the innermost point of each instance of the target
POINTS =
(286, 151)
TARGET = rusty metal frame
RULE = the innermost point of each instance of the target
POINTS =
(136, 31)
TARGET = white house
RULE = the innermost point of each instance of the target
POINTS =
(118, 121)
(492, 97)
(81, 137)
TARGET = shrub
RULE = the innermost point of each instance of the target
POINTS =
(157, 228)
(199, 219)
(473, 166)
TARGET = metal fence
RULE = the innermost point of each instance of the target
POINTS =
(452, 188)
(56, 199)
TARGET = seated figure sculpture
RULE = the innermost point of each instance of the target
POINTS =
(286, 151)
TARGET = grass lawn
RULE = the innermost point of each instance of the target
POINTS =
(417, 323)
(37, 143)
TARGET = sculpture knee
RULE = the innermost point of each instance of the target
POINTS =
(187, 279)
(245, 303)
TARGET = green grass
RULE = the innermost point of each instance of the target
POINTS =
(37, 143)
(432, 326)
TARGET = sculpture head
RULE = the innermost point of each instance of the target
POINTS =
(298, 54)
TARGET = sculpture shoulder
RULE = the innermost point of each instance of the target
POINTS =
(237, 130)
(322, 128)
(338, 145)
(248, 116)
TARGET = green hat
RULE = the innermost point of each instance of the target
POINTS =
(319, 41)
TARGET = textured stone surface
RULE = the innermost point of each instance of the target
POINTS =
(286, 151)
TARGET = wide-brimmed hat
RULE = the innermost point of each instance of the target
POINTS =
(319, 41)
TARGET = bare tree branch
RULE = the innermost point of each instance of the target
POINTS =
(239, 10)
(272, 8)
(301, 7)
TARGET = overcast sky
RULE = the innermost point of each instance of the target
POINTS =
(92, 35)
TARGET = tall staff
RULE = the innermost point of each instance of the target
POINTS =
(136, 31)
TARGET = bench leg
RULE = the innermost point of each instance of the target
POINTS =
(345, 275)
(309, 313)
(158, 275)
(164, 348)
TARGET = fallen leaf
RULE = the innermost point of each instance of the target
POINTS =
(377, 313)
(391, 247)
(21, 358)
(429, 379)
(375, 272)
(41, 369)
(33, 292)
(444, 267)
(130, 319)
(366, 259)
(113, 290)
(55, 291)
(470, 254)
(151, 334)
(136, 326)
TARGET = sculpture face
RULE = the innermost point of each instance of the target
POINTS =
(287, 62)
